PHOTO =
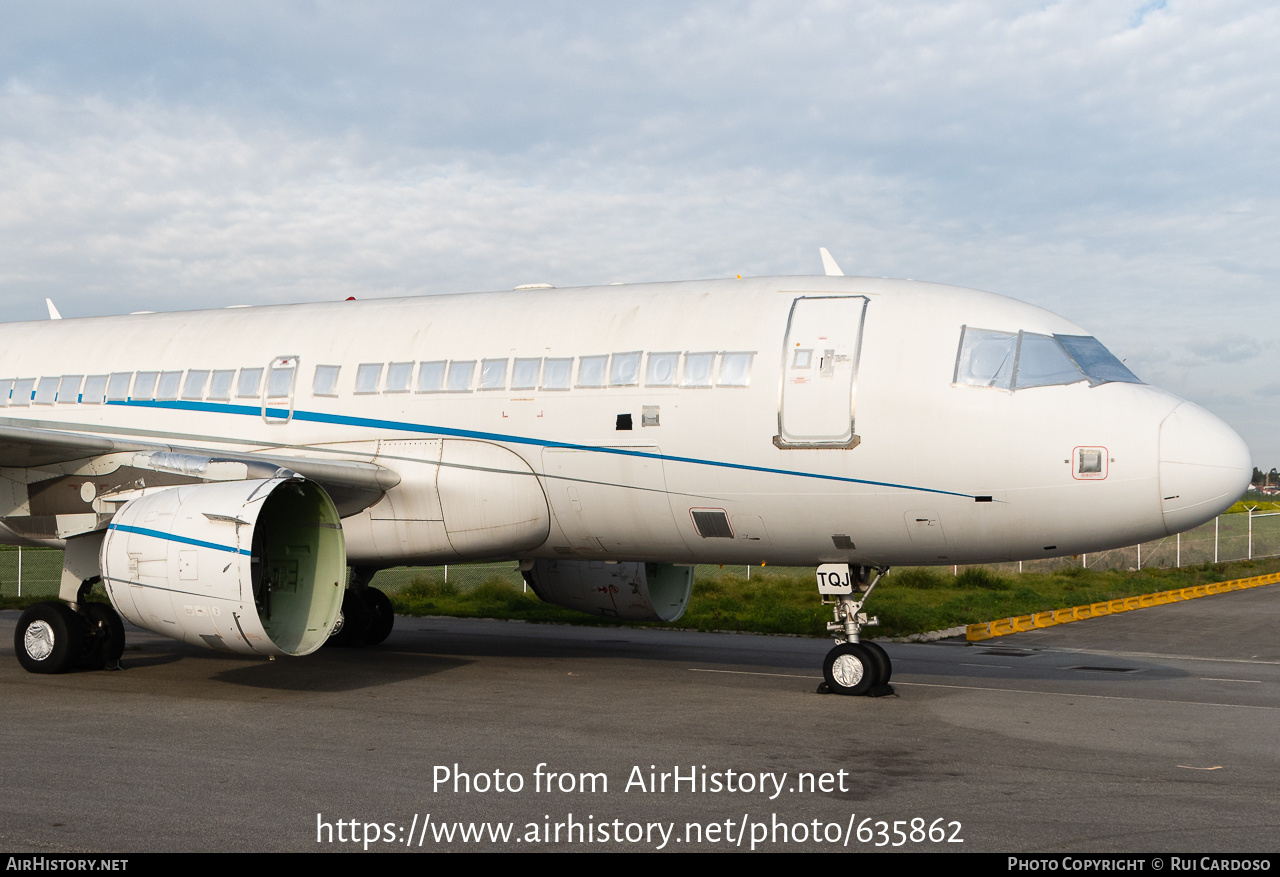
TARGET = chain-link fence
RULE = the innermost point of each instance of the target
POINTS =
(1225, 538)
(29, 571)
(464, 577)
(37, 571)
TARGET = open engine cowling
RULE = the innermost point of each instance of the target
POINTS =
(629, 591)
(257, 567)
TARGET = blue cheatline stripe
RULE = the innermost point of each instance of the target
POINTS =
(429, 429)
(170, 537)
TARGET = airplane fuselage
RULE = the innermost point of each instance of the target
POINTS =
(783, 420)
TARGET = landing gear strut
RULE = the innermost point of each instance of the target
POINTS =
(366, 618)
(852, 667)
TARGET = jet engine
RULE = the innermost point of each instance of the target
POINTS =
(257, 566)
(628, 591)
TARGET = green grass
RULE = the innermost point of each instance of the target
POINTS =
(912, 600)
(920, 600)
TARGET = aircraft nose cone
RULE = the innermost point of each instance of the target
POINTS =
(1204, 467)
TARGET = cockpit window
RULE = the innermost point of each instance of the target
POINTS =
(1021, 360)
(1043, 363)
(986, 358)
(1096, 361)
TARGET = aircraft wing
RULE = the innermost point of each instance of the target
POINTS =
(354, 485)
(22, 446)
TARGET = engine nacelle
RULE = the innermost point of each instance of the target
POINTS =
(629, 591)
(257, 567)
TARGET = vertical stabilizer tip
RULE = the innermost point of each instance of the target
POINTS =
(829, 264)
(53, 312)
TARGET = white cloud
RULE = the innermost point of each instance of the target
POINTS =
(1114, 162)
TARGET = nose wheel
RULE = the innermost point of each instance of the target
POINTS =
(852, 667)
(882, 657)
(849, 668)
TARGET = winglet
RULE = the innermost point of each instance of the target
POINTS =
(53, 312)
(828, 265)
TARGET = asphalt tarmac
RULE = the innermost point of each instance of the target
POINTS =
(1151, 731)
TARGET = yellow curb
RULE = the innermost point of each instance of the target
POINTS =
(1020, 623)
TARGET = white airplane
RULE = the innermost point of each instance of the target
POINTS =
(219, 470)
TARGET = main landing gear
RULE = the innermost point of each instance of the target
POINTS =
(852, 667)
(54, 637)
(366, 618)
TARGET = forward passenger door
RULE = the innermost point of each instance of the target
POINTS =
(820, 372)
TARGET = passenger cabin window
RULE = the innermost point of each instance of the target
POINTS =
(399, 375)
(624, 370)
(144, 386)
(118, 386)
(220, 385)
(697, 369)
(735, 369)
(431, 376)
(193, 387)
(46, 391)
(249, 383)
(525, 373)
(167, 388)
(23, 390)
(660, 370)
(326, 381)
(95, 390)
(368, 376)
(493, 374)
(460, 376)
(69, 388)
(557, 373)
(591, 371)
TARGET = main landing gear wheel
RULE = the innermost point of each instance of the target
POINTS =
(382, 617)
(850, 669)
(353, 621)
(366, 618)
(50, 637)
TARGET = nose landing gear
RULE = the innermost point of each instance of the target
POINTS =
(852, 667)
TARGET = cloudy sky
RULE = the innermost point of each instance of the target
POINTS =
(1113, 161)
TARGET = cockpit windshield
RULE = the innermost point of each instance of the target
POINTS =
(1020, 360)
(1095, 360)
